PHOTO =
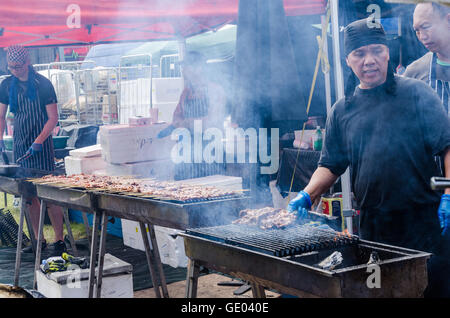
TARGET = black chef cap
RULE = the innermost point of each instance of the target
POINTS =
(361, 33)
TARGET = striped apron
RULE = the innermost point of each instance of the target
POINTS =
(440, 87)
(196, 106)
(443, 91)
(29, 120)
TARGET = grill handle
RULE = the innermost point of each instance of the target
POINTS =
(439, 183)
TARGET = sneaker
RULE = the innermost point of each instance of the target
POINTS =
(58, 248)
(29, 249)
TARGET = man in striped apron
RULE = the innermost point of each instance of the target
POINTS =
(32, 99)
(431, 22)
(201, 100)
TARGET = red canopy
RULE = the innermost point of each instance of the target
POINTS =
(69, 22)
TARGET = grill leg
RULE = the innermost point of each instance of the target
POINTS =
(69, 232)
(23, 206)
(192, 279)
(29, 223)
(86, 226)
(158, 260)
(150, 260)
(94, 242)
(258, 291)
(39, 241)
(101, 254)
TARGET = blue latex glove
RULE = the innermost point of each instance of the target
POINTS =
(2, 146)
(444, 214)
(34, 149)
(301, 202)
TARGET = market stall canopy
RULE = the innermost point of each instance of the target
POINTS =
(65, 22)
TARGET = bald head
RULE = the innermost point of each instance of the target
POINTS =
(431, 23)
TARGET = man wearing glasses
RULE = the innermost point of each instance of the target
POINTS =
(32, 99)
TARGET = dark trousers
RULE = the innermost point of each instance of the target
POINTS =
(416, 227)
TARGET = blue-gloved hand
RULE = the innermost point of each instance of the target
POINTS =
(2, 146)
(300, 202)
(35, 149)
(444, 214)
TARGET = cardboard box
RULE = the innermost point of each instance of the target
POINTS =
(127, 144)
(117, 281)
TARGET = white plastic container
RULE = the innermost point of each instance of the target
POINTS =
(117, 281)
(170, 246)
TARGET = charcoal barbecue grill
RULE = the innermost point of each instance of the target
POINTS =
(18, 184)
(287, 261)
(147, 211)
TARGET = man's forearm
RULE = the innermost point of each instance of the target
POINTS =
(2, 127)
(46, 131)
(447, 167)
(321, 180)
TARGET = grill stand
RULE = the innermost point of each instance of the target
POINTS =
(193, 272)
(88, 201)
(403, 271)
(24, 189)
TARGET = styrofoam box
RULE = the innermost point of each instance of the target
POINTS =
(158, 169)
(126, 144)
(219, 181)
(117, 281)
(86, 165)
(167, 89)
(165, 111)
(90, 151)
(170, 246)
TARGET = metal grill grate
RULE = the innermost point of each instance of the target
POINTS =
(278, 242)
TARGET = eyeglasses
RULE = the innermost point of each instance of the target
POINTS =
(15, 67)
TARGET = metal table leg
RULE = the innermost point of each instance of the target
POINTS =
(19, 242)
(37, 261)
(150, 260)
(69, 231)
(151, 229)
(101, 254)
(193, 271)
(23, 206)
(94, 242)
(258, 291)
(86, 226)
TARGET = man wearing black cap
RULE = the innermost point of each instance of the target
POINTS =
(387, 130)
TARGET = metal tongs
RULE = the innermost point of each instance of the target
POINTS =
(24, 157)
(439, 183)
(5, 158)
